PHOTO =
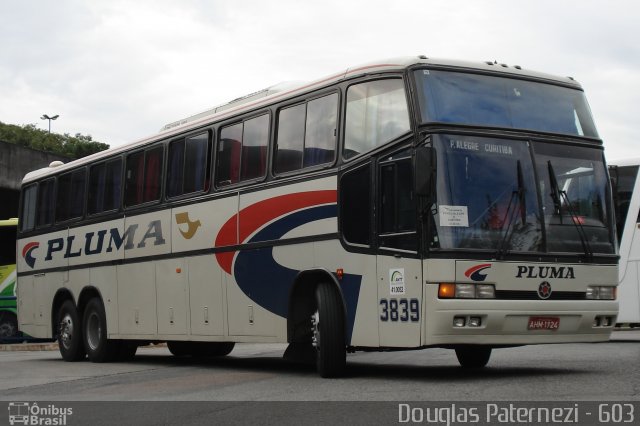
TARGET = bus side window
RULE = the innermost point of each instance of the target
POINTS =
(143, 176)
(397, 206)
(228, 158)
(70, 197)
(255, 140)
(320, 133)
(376, 113)
(105, 186)
(290, 144)
(45, 205)
(28, 217)
(187, 165)
(307, 134)
(242, 151)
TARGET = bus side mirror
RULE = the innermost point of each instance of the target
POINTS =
(425, 170)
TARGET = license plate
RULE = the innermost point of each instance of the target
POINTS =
(543, 323)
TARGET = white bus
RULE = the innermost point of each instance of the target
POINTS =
(407, 204)
(626, 195)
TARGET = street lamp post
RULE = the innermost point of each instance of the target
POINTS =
(46, 117)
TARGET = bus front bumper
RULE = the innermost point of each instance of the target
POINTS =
(518, 322)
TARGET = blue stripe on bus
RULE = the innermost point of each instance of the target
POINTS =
(268, 283)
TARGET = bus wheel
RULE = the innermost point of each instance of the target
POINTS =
(8, 325)
(473, 356)
(94, 326)
(206, 349)
(328, 332)
(180, 348)
(127, 350)
(69, 331)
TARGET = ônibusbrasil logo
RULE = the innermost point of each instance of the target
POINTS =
(476, 272)
(27, 413)
(27, 253)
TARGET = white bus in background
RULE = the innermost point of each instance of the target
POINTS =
(408, 204)
(626, 194)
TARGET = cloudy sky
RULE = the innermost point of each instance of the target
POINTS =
(119, 70)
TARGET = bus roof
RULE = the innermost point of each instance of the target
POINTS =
(9, 222)
(276, 93)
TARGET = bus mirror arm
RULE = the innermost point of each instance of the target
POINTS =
(425, 167)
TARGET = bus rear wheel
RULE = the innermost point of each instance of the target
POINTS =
(200, 349)
(94, 326)
(69, 332)
(328, 332)
(472, 357)
(208, 349)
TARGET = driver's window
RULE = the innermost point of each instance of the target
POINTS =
(397, 224)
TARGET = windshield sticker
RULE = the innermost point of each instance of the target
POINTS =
(477, 146)
(453, 216)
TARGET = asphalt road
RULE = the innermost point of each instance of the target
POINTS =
(256, 372)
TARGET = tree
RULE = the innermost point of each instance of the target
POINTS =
(29, 136)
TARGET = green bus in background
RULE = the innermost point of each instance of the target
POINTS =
(8, 305)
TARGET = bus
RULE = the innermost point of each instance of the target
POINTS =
(8, 312)
(626, 196)
(405, 204)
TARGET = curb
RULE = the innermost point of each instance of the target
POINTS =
(53, 346)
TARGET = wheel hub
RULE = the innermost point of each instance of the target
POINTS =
(94, 331)
(315, 330)
(66, 331)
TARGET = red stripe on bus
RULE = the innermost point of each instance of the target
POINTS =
(255, 216)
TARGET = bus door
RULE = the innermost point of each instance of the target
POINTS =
(399, 268)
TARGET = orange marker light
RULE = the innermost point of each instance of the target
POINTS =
(446, 291)
(178, 270)
(340, 273)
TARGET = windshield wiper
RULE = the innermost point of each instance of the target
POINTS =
(558, 196)
(518, 195)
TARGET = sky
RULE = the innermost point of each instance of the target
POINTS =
(120, 70)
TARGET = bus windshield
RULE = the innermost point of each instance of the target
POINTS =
(489, 192)
(484, 100)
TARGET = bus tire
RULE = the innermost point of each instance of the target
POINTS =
(178, 348)
(329, 332)
(94, 327)
(69, 333)
(8, 325)
(471, 356)
(212, 349)
(127, 350)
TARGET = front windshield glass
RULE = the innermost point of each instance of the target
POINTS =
(577, 208)
(490, 190)
(484, 100)
(486, 195)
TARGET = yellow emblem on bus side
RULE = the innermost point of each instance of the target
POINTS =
(182, 218)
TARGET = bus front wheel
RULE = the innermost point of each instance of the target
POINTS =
(473, 356)
(94, 327)
(328, 332)
(69, 330)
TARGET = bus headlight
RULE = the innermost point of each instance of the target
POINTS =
(466, 291)
(601, 293)
(485, 291)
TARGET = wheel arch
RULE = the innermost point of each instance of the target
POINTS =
(302, 300)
